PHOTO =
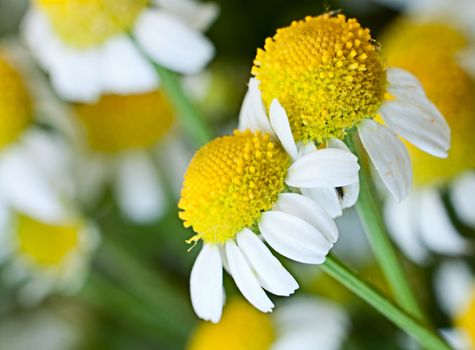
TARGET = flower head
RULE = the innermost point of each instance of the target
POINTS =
(254, 179)
(329, 76)
(302, 324)
(15, 104)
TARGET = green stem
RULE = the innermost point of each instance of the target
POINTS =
(411, 326)
(368, 208)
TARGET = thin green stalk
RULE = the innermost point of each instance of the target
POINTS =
(411, 326)
(369, 211)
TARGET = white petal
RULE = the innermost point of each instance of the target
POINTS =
(453, 286)
(462, 195)
(350, 193)
(436, 227)
(270, 273)
(389, 156)
(309, 211)
(401, 81)
(326, 197)
(206, 284)
(280, 125)
(425, 129)
(293, 237)
(324, 168)
(138, 188)
(253, 113)
(467, 59)
(25, 188)
(172, 43)
(123, 70)
(245, 279)
(402, 226)
(197, 14)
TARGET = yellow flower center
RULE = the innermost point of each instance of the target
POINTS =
(466, 321)
(429, 51)
(242, 327)
(116, 123)
(86, 23)
(230, 182)
(15, 104)
(44, 244)
(325, 71)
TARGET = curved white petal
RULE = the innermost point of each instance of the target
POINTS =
(253, 113)
(400, 81)
(138, 187)
(402, 226)
(245, 279)
(425, 129)
(323, 168)
(270, 273)
(206, 284)
(280, 125)
(309, 211)
(467, 58)
(123, 70)
(172, 43)
(453, 286)
(326, 197)
(389, 156)
(436, 227)
(293, 237)
(197, 14)
(26, 189)
(462, 195)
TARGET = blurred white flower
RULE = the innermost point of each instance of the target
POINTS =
(455, 291)
(303, 323)
(96, 47)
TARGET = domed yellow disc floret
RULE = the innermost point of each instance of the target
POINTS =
(242, 327)
(230, 182)
(116, 123)
(325, 71)
(466, 320)
(44, 244)
(15, 104)
(429, 51)
(85, 23)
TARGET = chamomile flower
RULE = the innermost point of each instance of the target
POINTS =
(421, 222)
(127, 139)
(329, 75)
(251, 179)
(455, 289)
(303, 324)
(87, 50)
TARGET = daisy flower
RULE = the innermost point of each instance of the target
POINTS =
(88, 48)
(301, 323)
(250, 180)
(431, 51)
(329, 76)
(455, 289)
(131, 143)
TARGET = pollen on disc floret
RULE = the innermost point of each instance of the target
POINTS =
(230, 182)
(325, 71)
(85, 23)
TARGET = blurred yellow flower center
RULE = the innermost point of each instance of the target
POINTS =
(242, 327)
(44, 244)
(86, 23)
(116, 123)
(429, 51)
(230, 182)
(15, 104)
(466, 320)
(325, 71)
